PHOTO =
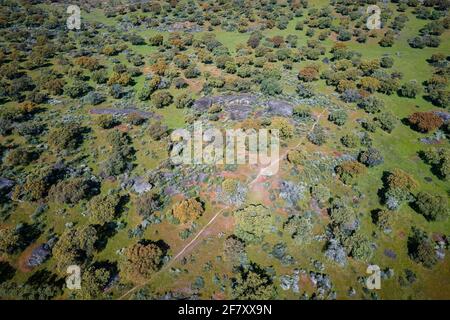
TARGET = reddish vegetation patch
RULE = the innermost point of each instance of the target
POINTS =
(261, 192)
(123, 128)
(304, 280)
(195, 85)
(147, 70)
(219, 296)
(333, 36)
(438, 237)
(215, 72)
(23, 259)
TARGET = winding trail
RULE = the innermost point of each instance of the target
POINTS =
(213, 218)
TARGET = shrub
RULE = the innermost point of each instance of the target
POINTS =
(349, 170)
(370, 84)
(296, 156)
(425, 121)
(74, 246)
(157, 130)
(384, 219)
(76, 89)
(271, 87)
(432, 207)
(99, 76)
(253, 284)
(409, 89)
(103, 208)
(191, 72)
(321, 193)
(359, 247)
(70, 191)
(387, 62)
(253, 223)
(19, 157)
(317, 136)
(105, 121)
(156, 40)
(387, 121)
(184, 100)
(147, 204)
(300, 228)
(94, 98)
(161, 98)
(8, 239)
(421, 248)
(308, 74)
(338, 117)
(440, 160)
(284, 126)
(350, 140)
(140, 261)
(398, 189)
(66, 137)
(188, 210)
(234, 250)
(371, 104)
(371, 157)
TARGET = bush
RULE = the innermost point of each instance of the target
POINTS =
(371, 157)
(184, 100)
(398, 189)
(409, 89)
(105, 121)
(66, 137)
(103, 208)
(156, 40)
(161, 98)
(94, 98)
(136, 40)
(253, 284)
(8, 239)
(140, 261)
(371, 104)
(19, 157)
(191, 72)
(317, 136)
(74, 246)
(384, 219)
(271, 87)
(99, 76)
(359, 247)
(432, 207)
(234, 250)
(188, 210)
(350, 140)
(253, 223)
(421, 248)
(284, 126)
(308, 74)
(70, 191)
(348, 171)
(387, 62)
(425, 121)
(147, 204)
(157, 130)
(300, 228)
(417, 42)
(440, 160)
(305, 90)
(77, 89)
(387, 121)
(338, 117)
(321, 193)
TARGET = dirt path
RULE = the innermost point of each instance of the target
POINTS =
(215, 216)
